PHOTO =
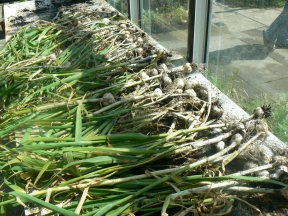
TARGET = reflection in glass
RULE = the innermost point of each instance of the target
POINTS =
(242, 62)
(167, 22)
(120, 5)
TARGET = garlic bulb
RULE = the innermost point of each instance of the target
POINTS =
(163, 67)
(191, 83)
(191, 93)
(217, 111)
(107, 99)
(220, 146)
(179, 83)
(237, 138)
(106, 21)
(166, 79)
(132, 46)
(263, 174)
(143, 75)
(157, 92)
(123, 25)
(129, 40)
(203, 93)
(259, 113)
(187, 68)
(154, 72)
(139, 51)
(261, 126)
(178, 91)
(140, 40)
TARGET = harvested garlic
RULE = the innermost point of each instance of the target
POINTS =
(139, 51)
(191, 83)
(259, 113)
(140, 40)
(166, 79)
(154, 72)
(132, 46)
(163, 67)
(263, 174)
(187, 68)
(106, 21)
(129, 39)
(157, 92)
(179, 83)
(178, 91)
(144, 75)
(123, 25)
(220, 146)
(191, 93)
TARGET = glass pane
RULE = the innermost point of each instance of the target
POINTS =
(120, 5)
(167, 22)
(248, 55)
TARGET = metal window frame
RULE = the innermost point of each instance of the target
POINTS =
(199, 25)
(134, 11)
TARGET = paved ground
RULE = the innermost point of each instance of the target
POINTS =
(237, 50)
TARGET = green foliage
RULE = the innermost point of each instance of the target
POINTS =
(253, 3)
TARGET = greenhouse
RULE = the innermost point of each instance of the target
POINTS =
(144, 107)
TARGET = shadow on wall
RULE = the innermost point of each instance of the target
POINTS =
(239, 52)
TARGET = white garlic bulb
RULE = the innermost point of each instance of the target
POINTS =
(129, 40)
(263, 174)
(191, 93)
(178, 91)
(166, 79)
(157, 92)
(140, 40)
(203, 93)
(259, 113)
(132, 46)
(107, 99)
(139, 51)
(143, 75)
(187, 68)
(179, 83)
(106, 21)
(123, 25)
(154, 72)
(163, 67)
(191, 83)
(237, 138)
(220, 146)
